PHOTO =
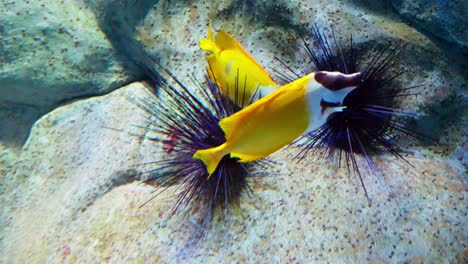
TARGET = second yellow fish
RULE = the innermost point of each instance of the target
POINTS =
(234, 70)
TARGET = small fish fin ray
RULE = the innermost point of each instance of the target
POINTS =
(210, 157)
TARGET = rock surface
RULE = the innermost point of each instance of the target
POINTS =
(69, 195)
(54, 51)
(51, 52)
(445, 19)
(73, 200)
(73, 156)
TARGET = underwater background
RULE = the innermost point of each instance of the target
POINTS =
(69, 186)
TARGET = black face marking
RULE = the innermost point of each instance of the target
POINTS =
(324, 104)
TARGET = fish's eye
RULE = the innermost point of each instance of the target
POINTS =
(325, 104)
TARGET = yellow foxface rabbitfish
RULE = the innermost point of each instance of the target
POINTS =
(234, 70)
(276, 120)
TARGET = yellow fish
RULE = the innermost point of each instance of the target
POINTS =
(234, 70)
(276, 120)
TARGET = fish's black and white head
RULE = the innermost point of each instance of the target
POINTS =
(326, 93)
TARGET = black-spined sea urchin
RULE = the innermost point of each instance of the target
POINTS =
(188, 121)
(372, 117)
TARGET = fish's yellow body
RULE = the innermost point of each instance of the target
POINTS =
(276, 120)
(263, 127)
(234, 70)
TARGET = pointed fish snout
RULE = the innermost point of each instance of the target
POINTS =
(336, 81)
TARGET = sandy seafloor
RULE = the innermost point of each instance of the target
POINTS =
(67, 184)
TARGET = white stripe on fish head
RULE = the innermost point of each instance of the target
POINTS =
(325, 93)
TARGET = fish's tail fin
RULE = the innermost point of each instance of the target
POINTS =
(209, 44)
(211, 157)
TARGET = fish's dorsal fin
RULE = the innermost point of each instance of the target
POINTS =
(209, 44)
(221, 41)
(210, 33)
(224, 41)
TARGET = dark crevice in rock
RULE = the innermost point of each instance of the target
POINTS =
(383, 7)
(47, 90)
(84, 97)
(115, 180)
(455, 55)
(393, 8)
(118, 19)
(17, 120)
(266, 13)
(443, 120)
(441, 18)
(453, 52)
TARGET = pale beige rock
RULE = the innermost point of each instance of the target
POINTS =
(67, 198)
(74, 205)
(305, 213)
(73, 156)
